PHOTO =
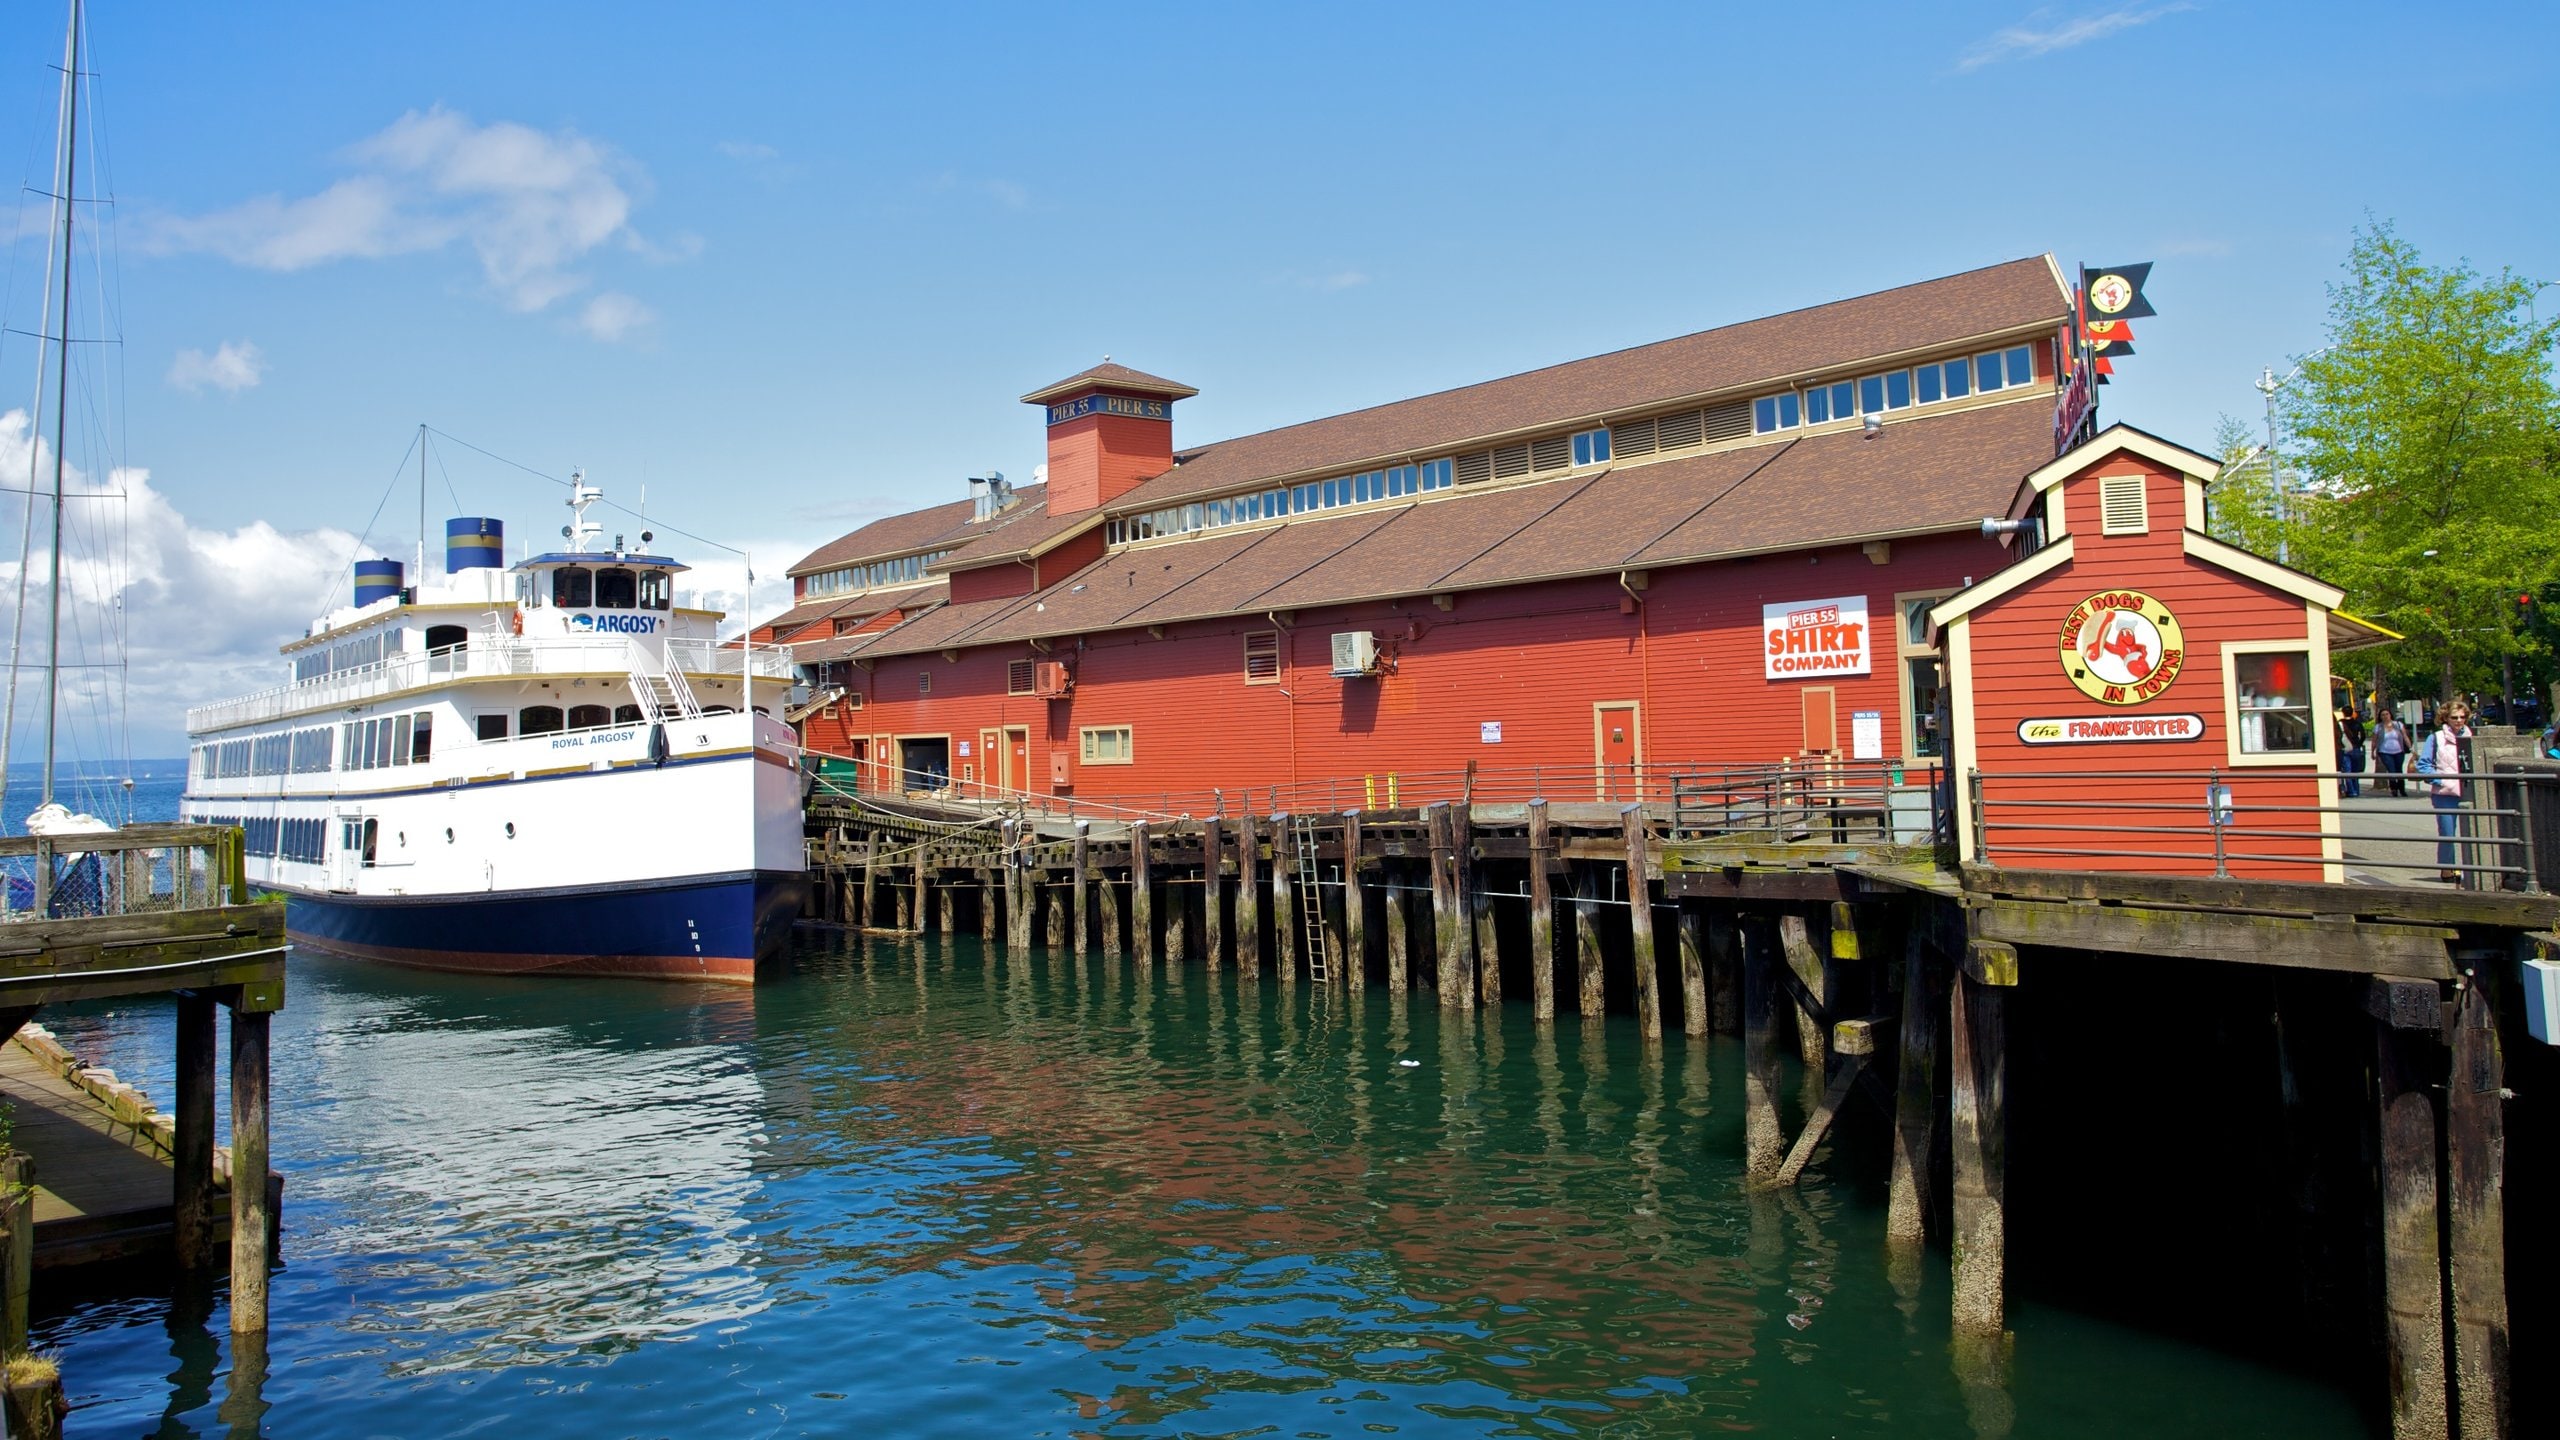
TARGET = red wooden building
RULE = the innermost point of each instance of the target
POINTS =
(1722, 549)
(2132, 694)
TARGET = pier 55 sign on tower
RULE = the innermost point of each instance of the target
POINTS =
(1815, 637)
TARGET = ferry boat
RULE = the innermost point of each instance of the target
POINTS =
(546, 768)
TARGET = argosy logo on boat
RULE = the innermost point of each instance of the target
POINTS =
(614, 624)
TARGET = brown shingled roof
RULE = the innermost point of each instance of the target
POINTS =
(1115, 377)
(936, 527)
(1999, 300)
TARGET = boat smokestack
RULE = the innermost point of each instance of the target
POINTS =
(378, 580)
(474, 543)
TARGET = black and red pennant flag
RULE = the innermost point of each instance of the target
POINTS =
(2114, 292)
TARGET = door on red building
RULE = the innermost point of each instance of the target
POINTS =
(990, 762)
(1017, 759)
(1617, 750)
(861, 762)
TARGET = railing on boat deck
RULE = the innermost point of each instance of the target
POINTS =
(2222, 818)
(488, 657)
(1841, 801)
(138, 870)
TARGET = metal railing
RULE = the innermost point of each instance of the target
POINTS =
(484, 657)
(2243, 821)
(1838, 801)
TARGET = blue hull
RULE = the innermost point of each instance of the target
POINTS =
(703, 927)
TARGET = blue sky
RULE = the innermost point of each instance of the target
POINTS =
(789, 266)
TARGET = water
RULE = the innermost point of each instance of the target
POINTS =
(915, 1190)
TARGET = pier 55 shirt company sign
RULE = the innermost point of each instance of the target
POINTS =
(1802, 639)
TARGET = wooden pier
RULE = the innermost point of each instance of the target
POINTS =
(1817, 930)
(146, 910)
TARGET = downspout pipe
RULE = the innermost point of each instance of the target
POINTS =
(1644, 676)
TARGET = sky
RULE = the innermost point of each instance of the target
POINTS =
(787, 268)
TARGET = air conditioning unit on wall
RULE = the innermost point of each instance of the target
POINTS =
(1355, 654)
(1050, 680)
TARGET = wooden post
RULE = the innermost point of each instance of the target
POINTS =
(1284, 899)
(1177, 921)
(1586, 946)
(17, 1287)
(1796, 940)
(2411, 1013)
(1488, 951)
(250, 1217)
(1142, 898)
(1640, 917)
(1054, 908)
(1857, 1044)
(1082, 921)
(2475, 1214)
(1462, 883)
(988, 906)
(1248, 896)
(1915, 1097)
(1693, 971)
(1399, 907)
(1977, 1109)
(191, 1195)
(1355, 907)
(916, 905)
(870, 877)
(1448, 973)
(1542, 916)
(1115, 938)
(1213, 921)
(1762, 1141)
(946, 900)
(1724, 974)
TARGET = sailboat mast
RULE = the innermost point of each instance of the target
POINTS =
(421, 571)
(61, 392)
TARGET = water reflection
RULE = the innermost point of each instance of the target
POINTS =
(914, 1188)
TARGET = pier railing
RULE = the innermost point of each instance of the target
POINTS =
(2266, 823)
(137, 870)
(489, 658)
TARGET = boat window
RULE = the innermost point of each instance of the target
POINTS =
(655, 586)
(401, 732)
(589, 717)
(447, 637)
(617, 590)
(572, 587)
(529, 590)
(421, 745)
(626, 714)
(538, 720)
(372, 832)
(491, 727)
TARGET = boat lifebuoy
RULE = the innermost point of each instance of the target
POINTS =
(515, 621)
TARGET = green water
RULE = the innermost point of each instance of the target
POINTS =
(914, 1190)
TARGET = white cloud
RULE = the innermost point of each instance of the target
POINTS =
(203, 609)
(614, 316)
(234, 366)
(531, 205)
(2042, 34)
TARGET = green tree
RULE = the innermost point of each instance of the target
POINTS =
(2241, 507)
(2426, 433)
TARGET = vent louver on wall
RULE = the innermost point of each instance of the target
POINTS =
(1510, 461)
(1728, 422)
(1475, 469)
(2123, 506)
(1632, 439)
(1553, 453)
(1680, 431)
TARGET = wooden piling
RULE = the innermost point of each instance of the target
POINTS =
(988, 907)
(1640, 916)
(1977, 1108)
(916, 907)
(1763, 1142)
(2475, 1219)
(1055, 908)
(1115, 937)
(1796, 940)
(1081, 880)
(1542, 915)
(1445, 973)
(1284, 901)
(18, 1233)
(1355, 907)
(191, 1208)
(1586, 945)
(1693, 971)
(1724, 974)
(1399, 907)
(870, 878)
(1856, 1042)
(2410, 1015)
(1142, 898)
(1248, 896)
(1462, 884)
(1488, 948)
(1915, 1097)
(947, 903)
(1213, 927)
(250, 1214)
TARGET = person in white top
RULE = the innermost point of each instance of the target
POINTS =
(2440, 760)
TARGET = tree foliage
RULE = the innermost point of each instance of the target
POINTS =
(2424, 436)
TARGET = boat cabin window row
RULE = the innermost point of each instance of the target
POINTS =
(608, 587)
(2006, 369)
(388, 740)
(553, 720)
(846, 579)
(267, 837)
(354, 653)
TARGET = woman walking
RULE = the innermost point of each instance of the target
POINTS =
(2391, 751)
(2440, 760)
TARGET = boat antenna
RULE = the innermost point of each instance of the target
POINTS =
(421, 571)
(61, 395)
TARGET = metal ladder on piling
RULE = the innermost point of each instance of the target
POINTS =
(1310, 900)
